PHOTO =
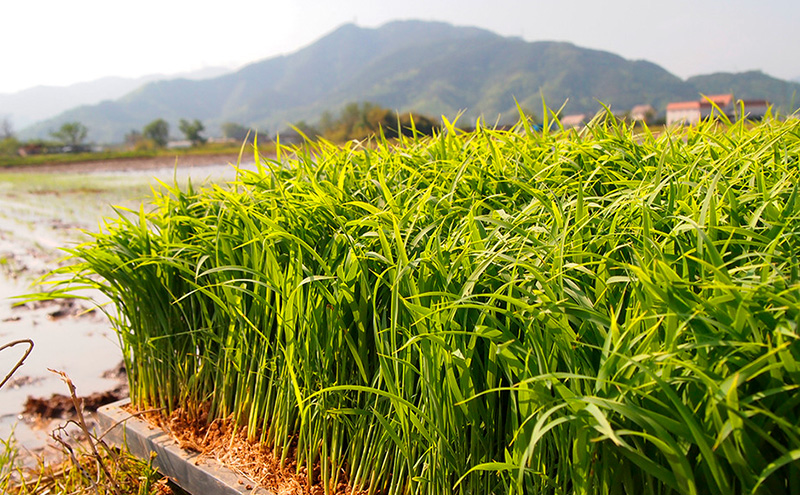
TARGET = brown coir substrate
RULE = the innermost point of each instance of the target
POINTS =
(221, 441)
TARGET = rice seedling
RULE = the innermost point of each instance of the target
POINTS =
(81, 474)
(8, 455)
(591, 311)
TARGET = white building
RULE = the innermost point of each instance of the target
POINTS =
(754, 109)
(690, 112)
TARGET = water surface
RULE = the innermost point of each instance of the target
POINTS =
(40, 214)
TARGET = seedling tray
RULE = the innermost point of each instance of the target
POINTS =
(194, 473)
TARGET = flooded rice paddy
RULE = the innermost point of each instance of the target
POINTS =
(40, 214)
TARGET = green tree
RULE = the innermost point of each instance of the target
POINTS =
(136, 141)
(353, 122)
(411, 123)
(359, 121)
(232, 130)
(6, 129)
(9, 146)
(327, 122)
(309, 130)
(157, 131)
(132, 138)
(71, 134)
(192, 131)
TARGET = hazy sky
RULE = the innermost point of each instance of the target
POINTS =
(56, 42)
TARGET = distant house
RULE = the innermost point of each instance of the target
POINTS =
(181, 144)
(684, 112)
(32, 149)
(691, 112)
(575, 120)
(754, 109)
(643, 113)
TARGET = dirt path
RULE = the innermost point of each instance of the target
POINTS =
(159, 162)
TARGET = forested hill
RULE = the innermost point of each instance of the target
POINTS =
(751, 85)
(428, 67)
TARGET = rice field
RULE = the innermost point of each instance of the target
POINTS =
(512, 312)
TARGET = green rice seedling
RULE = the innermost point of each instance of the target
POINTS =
(594, 311)
(8, 456)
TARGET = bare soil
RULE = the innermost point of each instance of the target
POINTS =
(61, 406)
(59, 308)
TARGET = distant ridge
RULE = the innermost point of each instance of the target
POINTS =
(432, 68)
(28, 106)
(784, 95)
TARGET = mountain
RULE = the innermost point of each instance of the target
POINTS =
(752, 85)
(25, 107)
(485, 76)
(428, 67)
(267, 94)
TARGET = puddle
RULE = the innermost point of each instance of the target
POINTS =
(40, 214)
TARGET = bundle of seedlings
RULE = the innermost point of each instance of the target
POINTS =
(595, 311)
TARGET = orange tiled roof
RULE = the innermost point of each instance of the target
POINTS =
(719, 100)
(683, 105)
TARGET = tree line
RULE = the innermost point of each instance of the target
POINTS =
(361, 120)
(354, 121)
(156, 134)
(71, 137)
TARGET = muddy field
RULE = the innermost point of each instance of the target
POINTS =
(43, 210)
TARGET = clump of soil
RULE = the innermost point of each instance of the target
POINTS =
(223, 441)
(61, 406)
(23, 381)
(118, 372)
(59, 308)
